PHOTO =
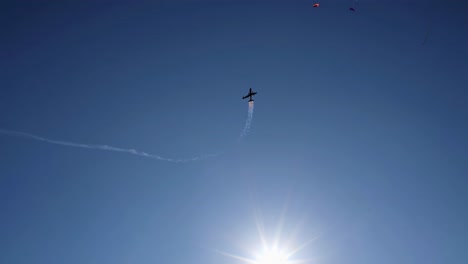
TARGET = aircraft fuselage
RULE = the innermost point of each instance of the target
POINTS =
(250, 95)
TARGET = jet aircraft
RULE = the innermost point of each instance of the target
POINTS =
(250, 95)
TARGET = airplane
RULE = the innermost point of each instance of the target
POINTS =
(250, 95)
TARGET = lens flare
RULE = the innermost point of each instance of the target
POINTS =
(279, 250)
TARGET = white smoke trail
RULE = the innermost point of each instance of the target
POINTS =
(101, 147)
(125, 150)
(248, 121)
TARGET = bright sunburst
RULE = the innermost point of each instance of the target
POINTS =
(274, 251)
(271, 256)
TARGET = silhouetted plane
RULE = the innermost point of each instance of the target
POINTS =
(250, 95)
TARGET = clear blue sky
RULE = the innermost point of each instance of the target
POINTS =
(359, 124)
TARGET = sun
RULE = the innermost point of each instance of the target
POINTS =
(272, 257)
(274, 247)
(273, 254)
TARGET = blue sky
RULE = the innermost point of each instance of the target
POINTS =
(359, 130)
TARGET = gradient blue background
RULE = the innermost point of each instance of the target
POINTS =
(358, 128)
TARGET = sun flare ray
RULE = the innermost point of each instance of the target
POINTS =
(246, 260)
(271, 249)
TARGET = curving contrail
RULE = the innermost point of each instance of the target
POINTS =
(123, 150)
(101, 147)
